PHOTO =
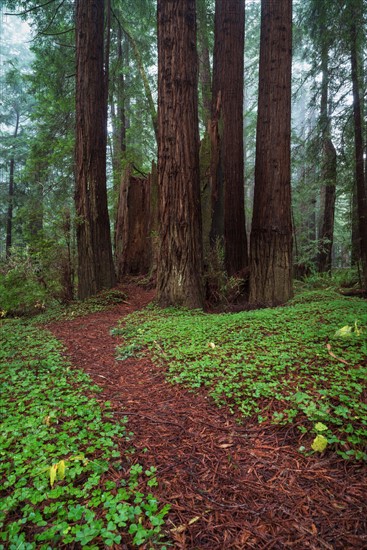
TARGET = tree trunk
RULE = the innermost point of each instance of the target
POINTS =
(329, 167)
(9, 215)
(133, 231)
(358, 140)
(271, 236)
(205, 152)
(145, 79)
(118, 116)
(205, 77)
(95, 265)
(328, 196)
(226, 129)
(179, 275)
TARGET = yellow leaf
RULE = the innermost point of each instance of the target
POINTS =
(344, 332)
(319, 443)
(211, 345)
(61, 469)
(53, 471)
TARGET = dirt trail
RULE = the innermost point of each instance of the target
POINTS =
(229, 486)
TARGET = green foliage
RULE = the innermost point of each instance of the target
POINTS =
(346, 278)
(31, 280)
(21, 292)
(280, 364)
(341, 278)
(60, 454)
(220, 288)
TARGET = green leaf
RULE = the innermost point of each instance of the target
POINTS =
(320, 427)
(319, 443)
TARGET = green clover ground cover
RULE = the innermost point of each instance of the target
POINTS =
(273, 363)
(59, 454)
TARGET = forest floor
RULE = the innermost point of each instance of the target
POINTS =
(229, 485)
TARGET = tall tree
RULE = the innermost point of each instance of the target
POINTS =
(328, 169)
(95, 264)
(271, 235)
(227, 172)
(179, 275)
(355, 8)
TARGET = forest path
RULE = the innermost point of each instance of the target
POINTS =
(230, 486)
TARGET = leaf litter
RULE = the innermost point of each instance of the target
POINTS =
(229, 486)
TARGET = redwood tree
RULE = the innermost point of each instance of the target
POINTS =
(355, 57)
(328, 171)
(271, 235)
(226, 128)
(179, 274)
(95, 264)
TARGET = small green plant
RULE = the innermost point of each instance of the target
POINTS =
(60, 452)
(348, 331)
(320, 442)
(282, 364)
(221, 289)
(130, 350)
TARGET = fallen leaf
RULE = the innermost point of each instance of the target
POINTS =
(333, 355)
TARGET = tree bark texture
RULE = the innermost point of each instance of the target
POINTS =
(179, 274)
(133, 227)
(359, 165)
(226, 129)
(271, 236)
(329, 172)
(95, 264)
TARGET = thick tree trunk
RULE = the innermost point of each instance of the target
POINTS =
(179, 276)
(226, 130)
(133, 228)
(359, 166)
(95, 264)
(271, 236)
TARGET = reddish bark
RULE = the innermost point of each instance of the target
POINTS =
(95, 264)
(179, 275)
(271, 235)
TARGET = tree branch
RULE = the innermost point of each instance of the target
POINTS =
(32, 9)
